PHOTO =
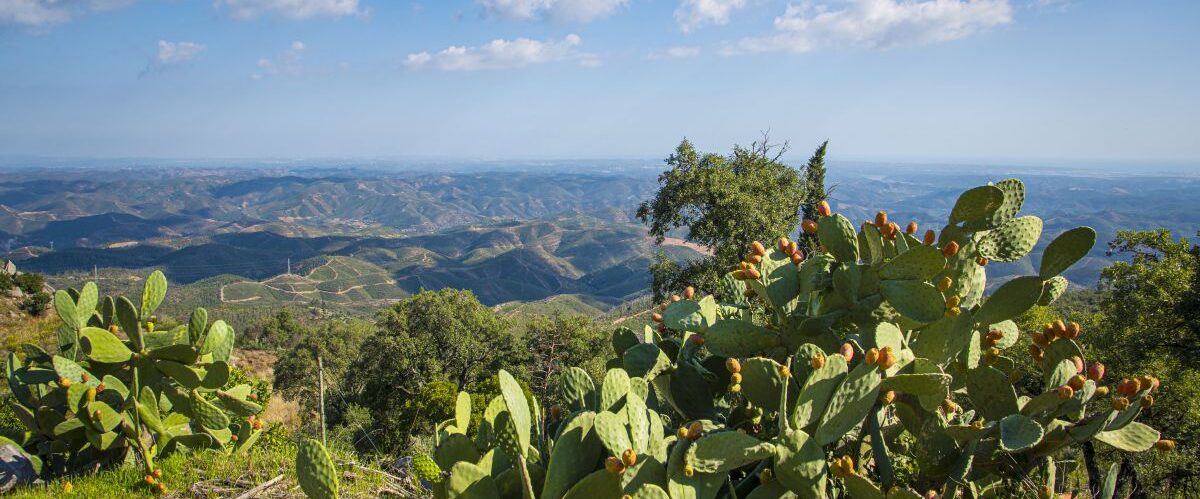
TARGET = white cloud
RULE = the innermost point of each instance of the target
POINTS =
(504, 54)
(692, 14)
(172, 53)
(287, 63)
(675, 53)
(296, 9)
(45, 12)
(878, 24)
(581, 11)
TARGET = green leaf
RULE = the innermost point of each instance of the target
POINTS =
(315, 470)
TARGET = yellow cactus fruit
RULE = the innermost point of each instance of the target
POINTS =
(785, 372)
(629, 457)
(1076, 382)
(888, 397)
(1165, 445)
(1101, 391)
(823, 209)
(614, 465)
(953, 312)
(688, 470)
(689, 293)
(735, 388)
(1147, 401)
(757, 248)
(1120, 403)
(733, 365)
(953, 301)
(1065, 392)
(1072, 331)
(682, 433)
(944, 283)
(871, 357)
(948, 406)
(817, 361)
(64, 382)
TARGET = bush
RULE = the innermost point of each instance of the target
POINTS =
(30, 283)
(35, 304)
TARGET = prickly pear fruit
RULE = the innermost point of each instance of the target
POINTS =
(784, 245)
(1101, 391)
(735, 378)
(848, 351)
(888, 397)
(629, 457)
(817, 360)
(90, 394)
(823, 209)
(911, 229)
(752, 274)
(809, 227)
(754, 260)
(953, 301)
(953, 311)
(696, 339)
(785, 372)
(757, 248)
(1060, 328)
(930, 237)
(694, 430)
(881, 219)
(797, 257)
(688, 470)
(1148, 382)
(1045, 492)
(1120, 403)
(1065, 392)
(1128, 387)
(675, 298)
(682, 433)
(948, 406)
(1072, 331)
(1147, 401)
(689, 293)
(981, 261)
(733, 366)
(950, 249)
(1165, 445)
(871, 357)
(1078, 361)
(64, 382)
(944, 283)
(148, 479)
(1036, 353)
(1096, 372)
(656, 317)
(113, 329)
(1077, 381)
(157, 473)
(614, 465)
(766, 475)
(887, 358)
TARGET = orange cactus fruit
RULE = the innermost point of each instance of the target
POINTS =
(1147, 401)
(981, 261)
(823, 209)
(911, 229)
(629, 457)
(733, 365)
(1073, 330)
(675, 298)
(817, 361)
(887, 358)
(1077, 381)
(689, 293)
(848, 351)
(656, 317)
(696, 339)
(1120, 403)
(930, 237)
(1096, 371)
(881, 219)
(888, 397)
(808, 226)
(695, 430)
(1165, 445)
(871, 357)
(1065, 392)
(950, 249)
(784, 244)
(797, 257)
(944, 283)
(614, 465)
(753, 273)
(757, 248)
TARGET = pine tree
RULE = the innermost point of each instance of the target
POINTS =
(814, 183)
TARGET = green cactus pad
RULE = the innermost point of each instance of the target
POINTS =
(725, 451)
(518, 409)
(849, 404)
(639, 423)
(1013, 298)
(127, 319)
(645, 360)
(932, 385)
(917, 300)
(574, 455)
(219, 341)
(462, 412)
(469, 481)
(207, 414)
(623, 339)
(613, 389)
(1133, 437)
(1066, 249)
(613, 430)
(800, 464)
(101, 346)
(426, 469)
(1012, 240)
(738, 338)
(1018, 433)
(197, 325)
(599, 483)
(153, 293)
(85, 305)
(65, 306)
(860, 487)
(1055, 353)
(918, 263)
(649, 491)
(577, 389)
(818, 389)
(1053, 289)
(980, 202)
(453, 449)
(761, 382)
(991, 393)
(839, 238)
(188, 377)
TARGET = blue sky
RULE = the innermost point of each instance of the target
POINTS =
(1040, 81)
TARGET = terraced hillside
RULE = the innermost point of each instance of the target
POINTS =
(330, 279)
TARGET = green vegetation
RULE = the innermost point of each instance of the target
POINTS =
(103, 400)
(877, 367)
(720, 201)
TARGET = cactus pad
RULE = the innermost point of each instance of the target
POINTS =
(916, 300)
(315, 471)
(1133, 437)
(1018, 433)
(977, 203)
(849, 404)
(738, 338)
(1012, 299)
(1065, 250)
(920, 262)
(1012, 240)
(725, 451)
(839, 237)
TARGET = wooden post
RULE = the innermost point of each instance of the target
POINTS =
(321, 396)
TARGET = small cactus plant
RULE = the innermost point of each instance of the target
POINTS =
(153, 392)
(803, 374)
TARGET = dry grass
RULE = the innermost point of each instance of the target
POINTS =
(25, 329)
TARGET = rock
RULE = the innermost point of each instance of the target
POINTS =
(10, 268)
(16, 293)
(15, 468)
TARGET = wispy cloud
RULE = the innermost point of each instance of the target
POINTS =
(877, 24)
(692, 14)
(504, 54)
(295, 9)
(674, 53)
(46, 12)
(171, 54)
(287, 63)
(581, 11)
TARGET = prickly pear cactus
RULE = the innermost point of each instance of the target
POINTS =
(315, 471)
(814, 372)
(117, 385)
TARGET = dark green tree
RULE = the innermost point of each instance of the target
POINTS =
(815, 192)
(337, 345)
(724, 202)
(555, 342)
(445, 335)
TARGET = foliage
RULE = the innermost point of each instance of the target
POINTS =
(103, 399)
(719, 199)
(433, 335)
(557, 342)
(814, 381)
(30, 283)
(279, 330)
(6, 281)
(35, 304)
(814, 181)
(337, 344)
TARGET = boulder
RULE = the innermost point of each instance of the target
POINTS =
(15, 468)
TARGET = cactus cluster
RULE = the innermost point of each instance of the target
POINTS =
(813, 373)
(118, 389)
